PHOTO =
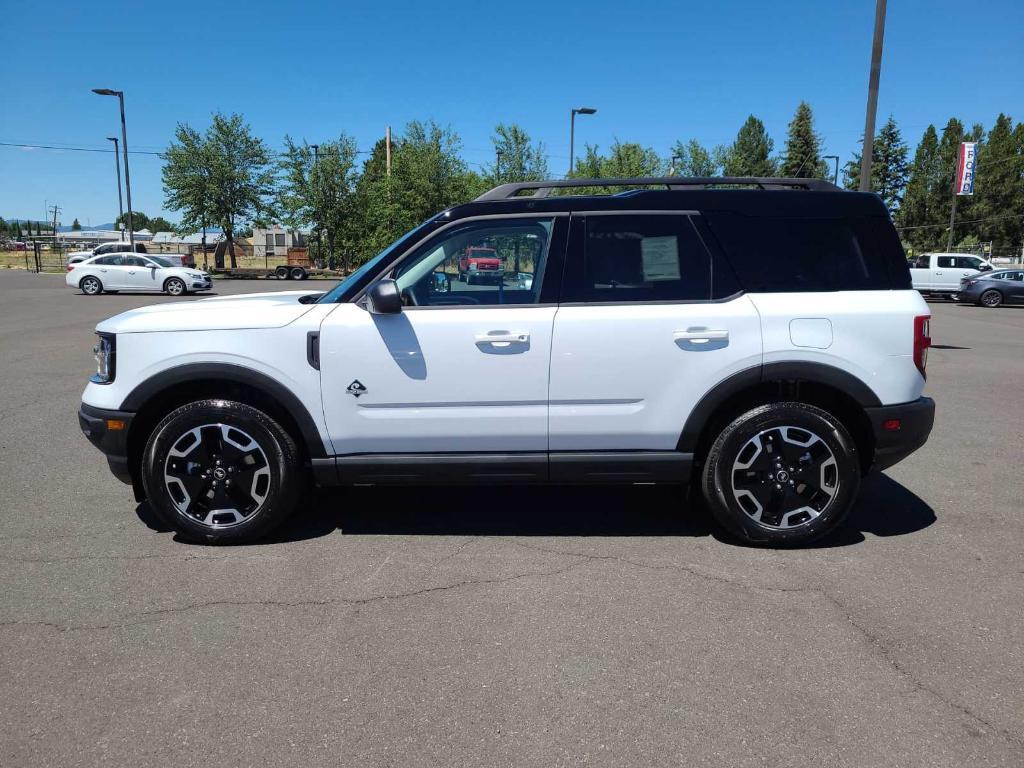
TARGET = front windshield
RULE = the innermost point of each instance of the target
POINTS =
(163, 262)
(372, 265)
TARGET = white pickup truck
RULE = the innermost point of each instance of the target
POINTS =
(940, 273)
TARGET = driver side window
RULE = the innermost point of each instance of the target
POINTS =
(482, 263)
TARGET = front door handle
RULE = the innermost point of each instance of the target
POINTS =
(502, 337)
(701, 335)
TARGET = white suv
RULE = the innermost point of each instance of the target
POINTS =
(135, 272)
(763, 342)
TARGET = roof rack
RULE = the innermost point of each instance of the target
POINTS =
(543, 188)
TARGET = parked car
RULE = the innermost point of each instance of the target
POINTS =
(939, 274)
(480, 264)
(763, 343)
(103, 249)
(134, 272)
(993, 289)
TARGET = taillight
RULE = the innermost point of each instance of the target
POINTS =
(922, 340)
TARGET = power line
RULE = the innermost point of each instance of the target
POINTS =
(972, 221)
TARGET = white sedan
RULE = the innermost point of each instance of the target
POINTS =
(135, 272)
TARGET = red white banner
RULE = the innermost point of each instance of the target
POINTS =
(965, 168)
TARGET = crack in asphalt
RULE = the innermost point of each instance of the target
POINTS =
(873, 640)
(147, 617)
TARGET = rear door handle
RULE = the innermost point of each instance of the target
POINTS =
(701, 335)
(502, 337)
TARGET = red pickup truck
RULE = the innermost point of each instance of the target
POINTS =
(479, 264)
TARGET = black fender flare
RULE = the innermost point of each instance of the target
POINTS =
(182, 374)
(818, 373)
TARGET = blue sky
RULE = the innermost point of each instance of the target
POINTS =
(656, 72)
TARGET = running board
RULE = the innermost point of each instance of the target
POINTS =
(583, 467)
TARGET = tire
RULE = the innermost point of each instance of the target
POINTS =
(760, 499)
(462, 277)
(220, 441)
(297, 273)
(91, 286)
(470, 280)
(990, 298)
(175, 286)
(282, 273)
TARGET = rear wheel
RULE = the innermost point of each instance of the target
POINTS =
(91, 286)
(221, 472)
(991, 298)
(298, 273)
(175, 287)
(782, 474)
(282, 273)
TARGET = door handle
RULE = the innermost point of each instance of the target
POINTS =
(701, 335)
(502, 337)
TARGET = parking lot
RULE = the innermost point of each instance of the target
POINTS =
(508, 627)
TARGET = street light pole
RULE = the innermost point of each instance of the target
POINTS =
(117, 168)
(572, 131)
(869, 118)
(124, 148)
(835, 176)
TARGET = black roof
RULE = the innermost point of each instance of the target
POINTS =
(749, 196)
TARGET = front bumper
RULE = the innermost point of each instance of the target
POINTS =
(198, 284)
(900, 430)
(108, 431)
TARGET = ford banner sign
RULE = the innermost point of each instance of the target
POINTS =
(965, 168)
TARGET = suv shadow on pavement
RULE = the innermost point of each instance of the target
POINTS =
(885, 508)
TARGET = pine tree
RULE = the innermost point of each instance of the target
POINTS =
(889, 166)
(916, 217)
(802, 159)
(999, 186)
(750, 154)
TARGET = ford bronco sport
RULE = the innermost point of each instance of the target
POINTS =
(757, 337)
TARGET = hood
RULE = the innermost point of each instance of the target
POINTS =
(254, 310)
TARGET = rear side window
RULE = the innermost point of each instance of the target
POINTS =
(637, 258)
(781, 254)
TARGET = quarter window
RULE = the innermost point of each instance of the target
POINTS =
(640, 258)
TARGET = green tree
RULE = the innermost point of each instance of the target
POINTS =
(516, 158)
(159, 224)
(224, 177)
(139, 221)
(75, 226)
(750, 153)
(39, 229)
(319, 191)
(802, 159)
(917, 219)
(889, 166)
(999, 185)
(692, 159)
(625, 160)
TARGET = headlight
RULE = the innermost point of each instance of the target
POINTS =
(106, 356)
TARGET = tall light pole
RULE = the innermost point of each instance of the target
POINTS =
(117, 167)
(835, 176)
(869, 118)
(572, 131)
(124, 147)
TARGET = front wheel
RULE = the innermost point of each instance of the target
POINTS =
(175, 287)
(221, 472)
(782, 474)
(991, 299)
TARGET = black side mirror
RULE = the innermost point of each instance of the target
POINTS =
(985, 268)
(384, 298)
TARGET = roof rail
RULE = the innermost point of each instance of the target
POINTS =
(543, 188)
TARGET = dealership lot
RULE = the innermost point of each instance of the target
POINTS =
(508, 626)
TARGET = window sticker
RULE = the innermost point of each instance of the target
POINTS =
(660, 258)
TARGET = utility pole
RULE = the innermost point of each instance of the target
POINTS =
(55, 209)
(952, 216)
(319, 229)
(387, 150)
(117, 169)
(124, 148)
(869, 118)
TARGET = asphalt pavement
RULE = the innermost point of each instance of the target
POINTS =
(508, 627)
